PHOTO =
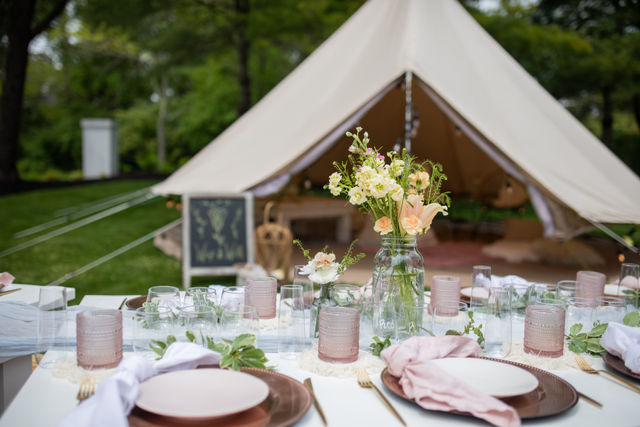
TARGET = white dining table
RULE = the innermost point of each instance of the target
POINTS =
(44, 399)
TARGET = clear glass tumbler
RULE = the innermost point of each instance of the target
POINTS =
(481, 281)
(165, 296)
(346, 295)
(232, 297)
(609, 309)
(566, 289)
(241, 319)
(291, 321)
(99, 338)
(579, 310)
(339, 334)
(261, 293)
(497, 323)
(629, 283)
(449, 316)
(306, 283)
(52, 325)
(201, 320)
(544, 328)
(151, 325)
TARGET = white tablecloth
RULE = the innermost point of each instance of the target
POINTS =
(44, 400)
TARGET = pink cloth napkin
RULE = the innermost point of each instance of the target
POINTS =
(432, 388)
(5, 279)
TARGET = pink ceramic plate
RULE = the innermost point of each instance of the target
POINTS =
(200, 394)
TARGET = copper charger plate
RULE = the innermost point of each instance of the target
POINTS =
(552, 396)
(287, 402)
(617, 364)
(135, 303)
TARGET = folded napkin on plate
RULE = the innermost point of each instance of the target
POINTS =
(432, 388)
(624, 342)
(6, 279)
(116, 395)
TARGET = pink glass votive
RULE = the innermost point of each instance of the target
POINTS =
(339, 334)
(544, 330)
(261, 293)
(590, 284)
(444, 288)
(99, 338)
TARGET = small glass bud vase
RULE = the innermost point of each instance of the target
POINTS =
(324, 300)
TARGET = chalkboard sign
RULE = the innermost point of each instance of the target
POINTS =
(217, 233)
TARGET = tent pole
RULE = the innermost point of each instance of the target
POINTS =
(615, 236)
(408, 110)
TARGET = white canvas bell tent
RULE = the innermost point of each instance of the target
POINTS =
(479, 113)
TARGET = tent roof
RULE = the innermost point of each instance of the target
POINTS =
(453, 56)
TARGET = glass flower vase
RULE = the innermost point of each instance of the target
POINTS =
(398, 288)
(324, 300)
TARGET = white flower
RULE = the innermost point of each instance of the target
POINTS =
(357, 196)
(335, 178)
(396, 167)
(334, 190)
(397, 193)
(322, 268)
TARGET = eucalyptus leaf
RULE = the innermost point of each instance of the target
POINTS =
(632, 319)
(575, 328)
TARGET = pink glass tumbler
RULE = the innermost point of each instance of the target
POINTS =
(590, 284)
(544, 330)
(261, 293)
(444, 288)
(99, 338)
(339, 333)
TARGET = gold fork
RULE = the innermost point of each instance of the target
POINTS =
(86, 390)
(364, 381)
(584, 366)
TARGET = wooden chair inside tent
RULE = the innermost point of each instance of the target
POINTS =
(274, 243)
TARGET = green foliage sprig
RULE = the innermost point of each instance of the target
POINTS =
(235, 354)
(632, 319)
(587, 342)
(378, 344)
(470, 327)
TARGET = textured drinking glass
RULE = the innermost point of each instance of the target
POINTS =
(339, 334)
(240, 319)
(232, 297)
(497, 323)
(444, 288)
(590, 284)
(199, 319)
(347, 295)
(579, 310)
(199, 295)
(481, 280)
(52, 325)
(99, 338)
(609, 309)
(566, 289)
(629, 283)
(151, 325)
(449, 315)
(306, 283)
(261, 293)
(544, 329)
(291, 321)
(165, 296)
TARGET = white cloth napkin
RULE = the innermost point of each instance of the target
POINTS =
(116, 395)
(624, 342)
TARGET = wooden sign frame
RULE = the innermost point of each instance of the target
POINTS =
(188, 271)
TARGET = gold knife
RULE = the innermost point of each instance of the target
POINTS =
(590, 400)
(307, 383)
(9, 291)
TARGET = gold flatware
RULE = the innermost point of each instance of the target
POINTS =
(307, 383)
(122, 303)
(364, 381)
(585, 367)
(9, 291)
(87, 389)
(590, 400)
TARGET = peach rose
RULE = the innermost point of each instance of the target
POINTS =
(411, 224)
(383, 226)
(323, 259)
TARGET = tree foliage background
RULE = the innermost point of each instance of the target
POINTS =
(176, 73)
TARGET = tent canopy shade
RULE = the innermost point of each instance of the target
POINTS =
(480, 112)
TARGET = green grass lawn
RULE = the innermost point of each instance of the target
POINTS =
(129, 273)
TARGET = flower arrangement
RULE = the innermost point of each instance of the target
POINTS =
(323, 268)
(395, 189)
